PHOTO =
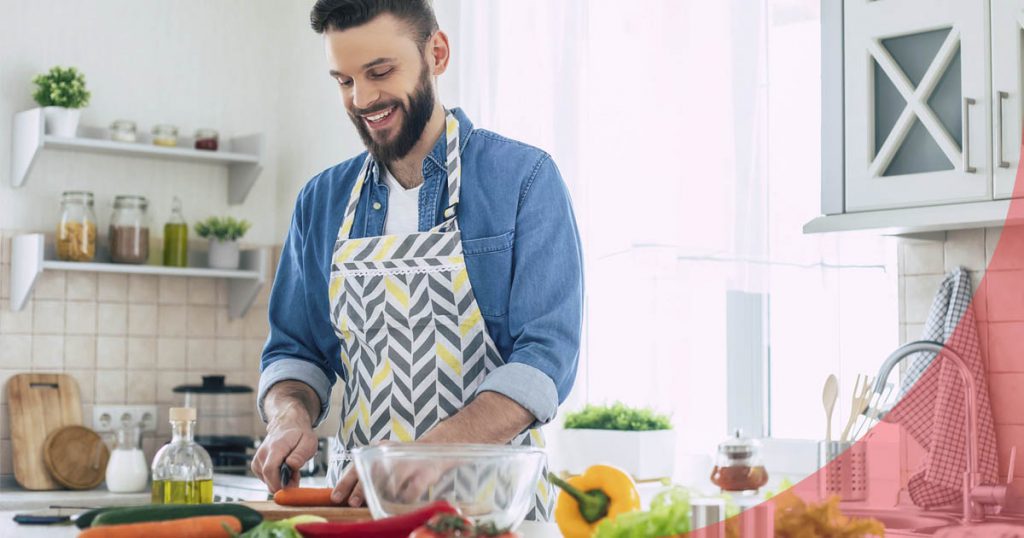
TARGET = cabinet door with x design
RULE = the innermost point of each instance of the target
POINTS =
(916, 103)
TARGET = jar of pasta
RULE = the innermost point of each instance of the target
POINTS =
(76, 232)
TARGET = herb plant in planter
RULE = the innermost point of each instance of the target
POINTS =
(62, 94)
(639, 441)
(223, 233)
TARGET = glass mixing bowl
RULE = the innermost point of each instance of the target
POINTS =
(487, 483)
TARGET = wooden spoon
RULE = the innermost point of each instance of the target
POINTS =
(828, 398)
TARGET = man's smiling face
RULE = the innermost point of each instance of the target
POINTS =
(385, 83)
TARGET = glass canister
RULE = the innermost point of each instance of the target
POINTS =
(123, 131)
(76, 231)
(182, 469)
(206, 139)
(165, 135)
(739, 467)
(129, 230)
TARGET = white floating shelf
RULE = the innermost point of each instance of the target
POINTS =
(914, 220)
(30, 257)
(241, 154)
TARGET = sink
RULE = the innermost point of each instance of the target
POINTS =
(905, 522)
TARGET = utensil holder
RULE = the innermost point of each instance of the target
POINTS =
(843, 470)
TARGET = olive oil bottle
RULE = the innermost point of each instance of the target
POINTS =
(182, 469)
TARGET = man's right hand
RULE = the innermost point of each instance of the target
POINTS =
(290, 438)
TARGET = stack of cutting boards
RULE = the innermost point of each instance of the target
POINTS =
(39, 404)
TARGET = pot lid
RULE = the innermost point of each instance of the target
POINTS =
(213, 384)
(739, 446)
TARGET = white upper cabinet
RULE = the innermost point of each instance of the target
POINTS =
(1007, 113)
(917, 118)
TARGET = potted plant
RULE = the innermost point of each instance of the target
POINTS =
(223, 234)
(62, 94)
(639, 441)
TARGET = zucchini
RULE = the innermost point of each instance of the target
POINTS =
(164, 512)
(84, 520)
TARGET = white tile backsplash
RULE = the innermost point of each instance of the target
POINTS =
(47, 352)
(81, 318)
(202, 291)
(110, 386)
(202, 320)
(142, 319)
(922, 257)
(173, 290)
(143, 288)
(965, 248)
(920, 291)
(170, 353)
(111, 352)
(142, 353)
(48, 317)
(112, 319)
(112, 287)
(80, 352)
(50, 285)
(81, 286)
(16, 351)
(19, 322)
(172, 320)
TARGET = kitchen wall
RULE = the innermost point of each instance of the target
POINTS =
(998, 307)
(240, 66)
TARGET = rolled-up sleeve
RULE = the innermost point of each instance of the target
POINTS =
(291, 351)
(545, 312)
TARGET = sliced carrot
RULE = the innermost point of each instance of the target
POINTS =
(304, 497)
(192, 527)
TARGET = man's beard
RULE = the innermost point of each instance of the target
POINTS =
(414, 121)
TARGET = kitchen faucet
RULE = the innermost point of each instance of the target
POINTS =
(975, 495)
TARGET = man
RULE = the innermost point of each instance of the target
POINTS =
(439, 275)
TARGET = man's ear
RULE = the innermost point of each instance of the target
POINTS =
(438, 53)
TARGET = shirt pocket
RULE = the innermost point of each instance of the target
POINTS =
(489, 263)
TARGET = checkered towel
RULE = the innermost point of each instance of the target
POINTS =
(932, 407)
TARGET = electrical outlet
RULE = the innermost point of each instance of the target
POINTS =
(106, 418)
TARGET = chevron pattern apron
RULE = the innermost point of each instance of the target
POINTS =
(414, 344)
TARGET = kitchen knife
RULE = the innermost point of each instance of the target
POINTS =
(286, 475)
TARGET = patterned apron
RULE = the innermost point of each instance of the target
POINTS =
(414, 344)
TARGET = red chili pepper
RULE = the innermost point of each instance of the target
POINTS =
(390, 527)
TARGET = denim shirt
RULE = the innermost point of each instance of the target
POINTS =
(522, 252)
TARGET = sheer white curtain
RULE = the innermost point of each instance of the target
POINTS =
(688, 133)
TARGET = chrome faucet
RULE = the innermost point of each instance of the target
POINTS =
(975, 495)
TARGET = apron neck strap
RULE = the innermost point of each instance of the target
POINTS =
(453, 168)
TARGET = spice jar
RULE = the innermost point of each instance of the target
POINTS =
(76, 232)
(129, 230)
(123, 131)
(206, 139)
(165, 135)
(739, 466)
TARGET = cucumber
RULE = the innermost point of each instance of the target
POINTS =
(84, 520)
(163, 512)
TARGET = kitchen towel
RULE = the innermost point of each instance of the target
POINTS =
(932, 407)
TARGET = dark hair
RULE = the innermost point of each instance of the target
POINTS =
(330, 15)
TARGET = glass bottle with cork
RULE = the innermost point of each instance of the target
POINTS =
(176, 237)
(182, 469)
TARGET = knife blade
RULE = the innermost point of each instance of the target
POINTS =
(286, 475)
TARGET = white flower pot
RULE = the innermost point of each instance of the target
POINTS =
(646, 455)
(224, 254)
(61, 121)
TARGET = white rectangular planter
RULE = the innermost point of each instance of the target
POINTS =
(646, 455)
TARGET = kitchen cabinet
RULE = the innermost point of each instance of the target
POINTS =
(1007, 87)
(921, 113)
(916, 103)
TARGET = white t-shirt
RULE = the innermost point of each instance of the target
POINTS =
(403, 207)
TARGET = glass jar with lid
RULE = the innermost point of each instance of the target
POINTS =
(165, 135)
(206, 139)
(739, 467)
(129, 230)
(76, 231)
(123, 131)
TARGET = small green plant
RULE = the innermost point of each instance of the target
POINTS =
(61, 87)
(222, 228)
(616, 417)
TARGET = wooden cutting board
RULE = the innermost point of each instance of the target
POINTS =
(39, 404)
(273, 512)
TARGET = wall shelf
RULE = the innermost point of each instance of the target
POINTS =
(30, 256)
(240, 154)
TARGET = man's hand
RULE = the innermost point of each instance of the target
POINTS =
(290, 438)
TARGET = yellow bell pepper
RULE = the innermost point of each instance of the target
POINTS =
(601, 492)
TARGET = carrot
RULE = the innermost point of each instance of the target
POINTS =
(304, 497)
(192, 527)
